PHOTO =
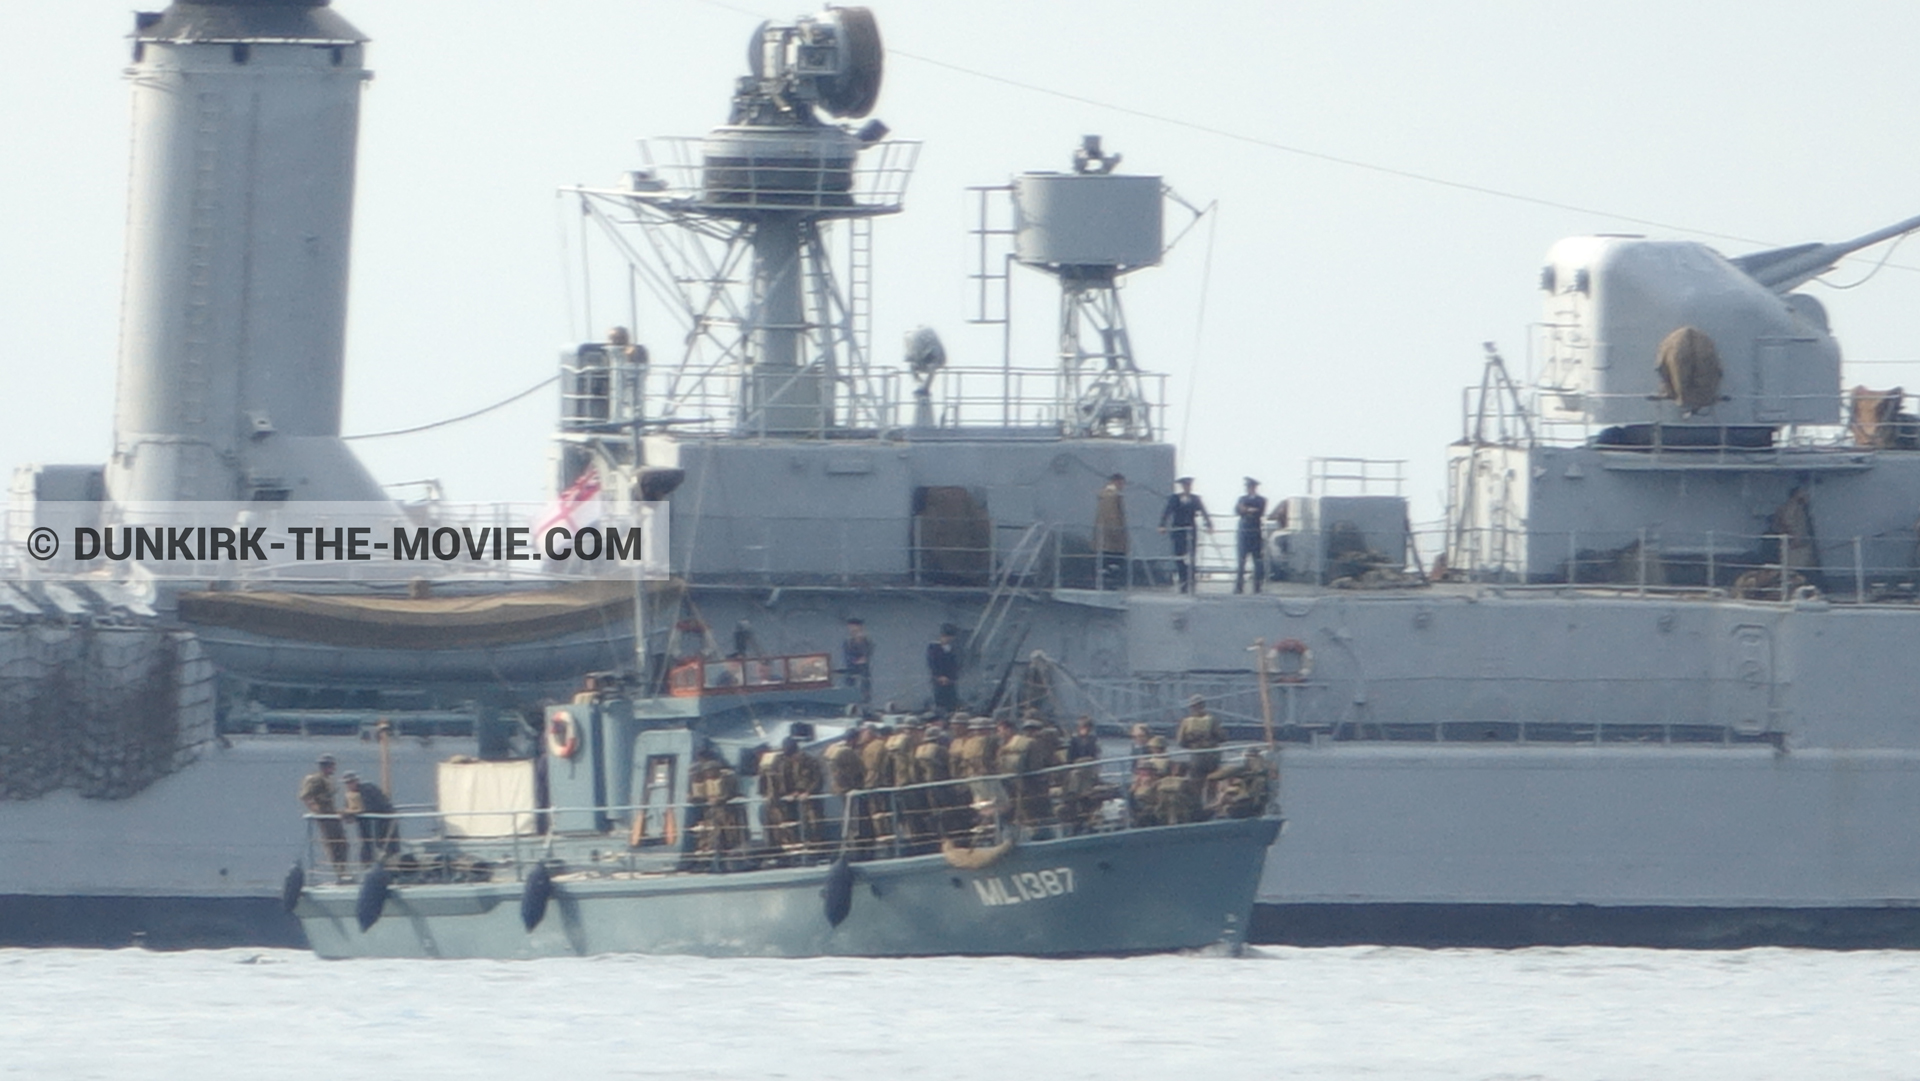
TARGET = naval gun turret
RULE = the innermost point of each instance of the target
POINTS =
(1614, 301)
(1655, 454)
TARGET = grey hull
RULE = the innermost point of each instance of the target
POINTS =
(1145, 890)
(1509, 926)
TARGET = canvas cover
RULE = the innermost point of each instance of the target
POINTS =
(473, 793)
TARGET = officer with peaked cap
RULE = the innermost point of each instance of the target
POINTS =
(1179, 517)
(1251, 510)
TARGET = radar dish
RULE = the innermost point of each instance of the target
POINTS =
(854, 91)
(757, 50)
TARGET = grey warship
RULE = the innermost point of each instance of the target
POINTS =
(1646, 685)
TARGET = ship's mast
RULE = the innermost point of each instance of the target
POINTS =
(733, 233)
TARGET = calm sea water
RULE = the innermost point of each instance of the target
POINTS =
(1293, 1013)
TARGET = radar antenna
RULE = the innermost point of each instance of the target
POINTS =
(1087, 228)
(734, 234)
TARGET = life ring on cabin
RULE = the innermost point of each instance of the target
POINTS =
(1296, 670)
(563, 735)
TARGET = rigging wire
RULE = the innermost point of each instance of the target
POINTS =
(565, 253)
(1318, 155)
(1199, 328)
(1877, 267)
(482, 411)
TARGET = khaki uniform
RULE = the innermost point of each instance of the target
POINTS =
(843, 767)
(876, 768)
(1110, 537)
(1022, 757)
(911, 804)
(1200, 732)
(972, 758)
(932, 764)
(801, 778)
(1081, 791)
(1163, 795)
(957, 753)
(982, 758)
(847, 774)
(1176, 800)
(1244, 790)
(900, 751)
(1147, 774)
(1052, 747)
(773, 805)
(877, 773)
(721, 821)
(1110, 521)
(316, 793)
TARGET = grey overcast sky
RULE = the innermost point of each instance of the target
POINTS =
(1337, 310)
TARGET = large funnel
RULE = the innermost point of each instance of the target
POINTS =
(245, 117)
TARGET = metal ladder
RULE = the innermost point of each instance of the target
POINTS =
(860, 284)
(1017, 567)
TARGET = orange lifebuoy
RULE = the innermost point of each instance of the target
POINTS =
(563, 736)
(1302, 665)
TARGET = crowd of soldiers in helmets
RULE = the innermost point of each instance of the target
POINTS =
(912, 782)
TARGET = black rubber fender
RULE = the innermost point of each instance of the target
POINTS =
(534, 898)
(373, 897)
(291, 888)
(839, 891)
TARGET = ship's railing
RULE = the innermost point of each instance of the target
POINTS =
(12, 548)
(1356, 476)
(968, 816)
(1882, 568)
(920, 551)
(705, 400)
(680, 174)
(1564, 416)
(351, 723)
(1693, 711)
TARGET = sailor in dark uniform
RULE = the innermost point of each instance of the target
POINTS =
(856, 654)
(1178, 519)
(943, 670)
(368, 807)
(1251, 510)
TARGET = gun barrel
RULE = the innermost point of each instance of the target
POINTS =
(1785, 269)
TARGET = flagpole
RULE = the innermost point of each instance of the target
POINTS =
(640, 619)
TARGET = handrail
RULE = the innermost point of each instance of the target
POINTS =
(898, 804)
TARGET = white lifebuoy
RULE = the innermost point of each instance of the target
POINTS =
(1299, 668)
(563, 736)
